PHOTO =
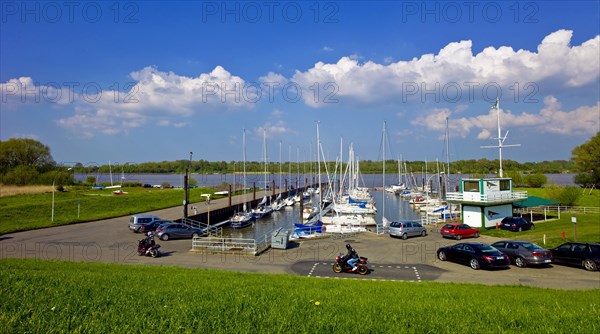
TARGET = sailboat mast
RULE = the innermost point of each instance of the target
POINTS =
(319, 168)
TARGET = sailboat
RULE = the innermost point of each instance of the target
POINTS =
(263, 210)
(384, 221)
(243, 218)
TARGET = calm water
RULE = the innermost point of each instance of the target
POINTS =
(368, 180)
(395, 209)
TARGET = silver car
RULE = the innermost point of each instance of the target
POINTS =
(179, 231)
(137, 221)
(405, 229)
(524, 253)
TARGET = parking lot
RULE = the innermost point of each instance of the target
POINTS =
(413, 259)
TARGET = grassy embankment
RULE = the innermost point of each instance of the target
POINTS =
(34, 210)
(45, 296)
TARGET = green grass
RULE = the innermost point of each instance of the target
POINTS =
(585, 198)
(26, 212)
(55, 297)
(587, 229)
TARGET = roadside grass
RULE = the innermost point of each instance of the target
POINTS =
(587, 228)
(51, 296)
(31, 211)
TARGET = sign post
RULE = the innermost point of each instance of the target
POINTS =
(574, 221)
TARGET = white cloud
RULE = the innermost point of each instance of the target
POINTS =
(455, 65)
(162, 96)
(551, 119)
(327, 49)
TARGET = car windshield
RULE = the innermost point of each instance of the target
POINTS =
(448, 226)
(487, 249)
(530, 246)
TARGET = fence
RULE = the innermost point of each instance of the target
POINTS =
(231, 245)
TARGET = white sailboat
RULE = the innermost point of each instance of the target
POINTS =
(263, 210)
(243, 218)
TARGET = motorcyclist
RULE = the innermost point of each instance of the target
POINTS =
(149, 240)
(351, 257)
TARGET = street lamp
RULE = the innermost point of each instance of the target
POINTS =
(53, 190)
(208, 204)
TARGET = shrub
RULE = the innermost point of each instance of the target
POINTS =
(567, 196)
(536, 180)
(20, 176)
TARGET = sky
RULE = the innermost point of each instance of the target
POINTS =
(131, 82)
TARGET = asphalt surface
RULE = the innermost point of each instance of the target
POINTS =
(389, 258)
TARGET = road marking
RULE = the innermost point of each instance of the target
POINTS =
(414, 269)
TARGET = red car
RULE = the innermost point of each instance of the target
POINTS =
(459, 231)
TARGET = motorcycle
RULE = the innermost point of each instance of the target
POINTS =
(341, 265)
(148, 247)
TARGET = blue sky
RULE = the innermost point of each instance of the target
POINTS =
(152, 81)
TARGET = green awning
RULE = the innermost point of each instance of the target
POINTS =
(533, 201)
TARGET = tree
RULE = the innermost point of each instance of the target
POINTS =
(25, 152)
(587, 162)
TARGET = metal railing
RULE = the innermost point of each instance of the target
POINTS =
(211, 230)
(487, 198)
(231, 245)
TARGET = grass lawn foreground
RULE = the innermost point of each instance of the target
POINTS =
(50, 296)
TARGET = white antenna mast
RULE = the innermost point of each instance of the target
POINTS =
(500, 138)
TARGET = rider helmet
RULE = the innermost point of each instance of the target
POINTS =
(149, 233)
(348, 247)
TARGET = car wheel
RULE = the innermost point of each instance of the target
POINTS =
(442, 256)
(458, 237)
(532, 227)
(164, 237)
(519, 262)
(590, 265)
(423, 233)
(520, 229)
(476, 235)
(404, 236)
(474, 264)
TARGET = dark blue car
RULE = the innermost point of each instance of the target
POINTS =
(474, 254)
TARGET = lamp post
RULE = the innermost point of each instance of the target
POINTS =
(208, 204)
(53, 190)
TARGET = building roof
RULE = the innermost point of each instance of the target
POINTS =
(533, 201)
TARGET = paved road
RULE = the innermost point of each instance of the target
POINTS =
(389, 258)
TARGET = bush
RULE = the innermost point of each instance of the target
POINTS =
(536, 180)
(20, 176)
(90, 180)
(567, 196)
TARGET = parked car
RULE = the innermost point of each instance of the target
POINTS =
(516, 224)
(153, 225)
(524, 253)
(405, 229)
(580, 254)
(179, 231)
(137, 221)
(459, 231)
(476, 255)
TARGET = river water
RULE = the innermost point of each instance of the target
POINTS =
(210, 180)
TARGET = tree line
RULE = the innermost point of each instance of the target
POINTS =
(27, 161)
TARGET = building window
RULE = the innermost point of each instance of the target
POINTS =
(471, 186)
(504, 185)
